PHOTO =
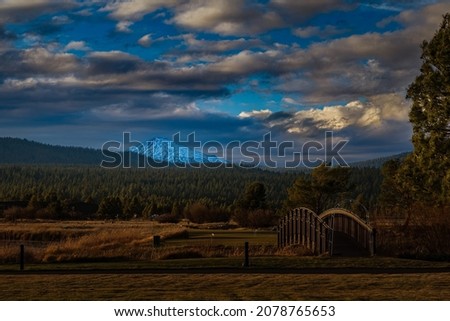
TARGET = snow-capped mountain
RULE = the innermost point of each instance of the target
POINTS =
(165, 150)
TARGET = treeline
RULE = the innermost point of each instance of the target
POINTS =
(85, 192)
(23, 151)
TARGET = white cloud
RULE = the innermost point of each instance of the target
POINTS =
(129, 112)
(84, 13)
(307, 32)
(43, 61)
(135, 10)
(77, 45)
(289, 100)
(360, 65)
(263, 113)
(313, 31)
(374, 115)
(124, 26)
(225, 17)
(32, 82)
(187, 110)
(383, 6)
(194, 44)
(331, 117)
(246, 62)
(145, 41)
(228, 17)
(61, 20)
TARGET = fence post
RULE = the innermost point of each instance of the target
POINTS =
(281, 233)
(156, 241)
(286, 231)
(278, 235)
(374, 241)
(246, 260)
(22, 257)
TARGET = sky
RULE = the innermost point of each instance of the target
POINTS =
(81, 73)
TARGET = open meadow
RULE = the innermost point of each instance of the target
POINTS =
(81, 241)
(111, 260)
(137, 286)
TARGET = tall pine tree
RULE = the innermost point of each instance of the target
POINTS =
(427, 170)
(325, 188)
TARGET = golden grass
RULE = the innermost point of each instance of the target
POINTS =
(210, 251)
(226, 287)
(83, 241)
(88, 241)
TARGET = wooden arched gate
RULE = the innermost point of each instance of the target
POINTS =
(301, 226)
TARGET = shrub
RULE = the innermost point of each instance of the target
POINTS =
(17, 213)
(254, 218)
(201, 213)
(426, 236)
(167, 218)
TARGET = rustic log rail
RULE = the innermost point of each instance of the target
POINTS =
(301, 226)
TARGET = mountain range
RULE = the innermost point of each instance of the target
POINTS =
(158, 150)
(164, 150)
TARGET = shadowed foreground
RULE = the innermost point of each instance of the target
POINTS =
(424, 286)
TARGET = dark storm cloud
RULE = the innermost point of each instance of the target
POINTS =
(112, 63)
(34, 62)
(304, 10)
(213, 124)
(46, 76)
(235, 17)
(214, 54)
(24, 10)
(49, 26)
(193, 45)
(6, 34)
(227, 17)
(281, 115)
(397, 5)
(358, 65)
(394, 140)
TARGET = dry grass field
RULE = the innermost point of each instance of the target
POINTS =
(226, 287)
(88, 241)
(117, 261)
(83, 241)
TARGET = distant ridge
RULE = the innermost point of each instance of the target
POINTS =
(23, 151)
(378, 162)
